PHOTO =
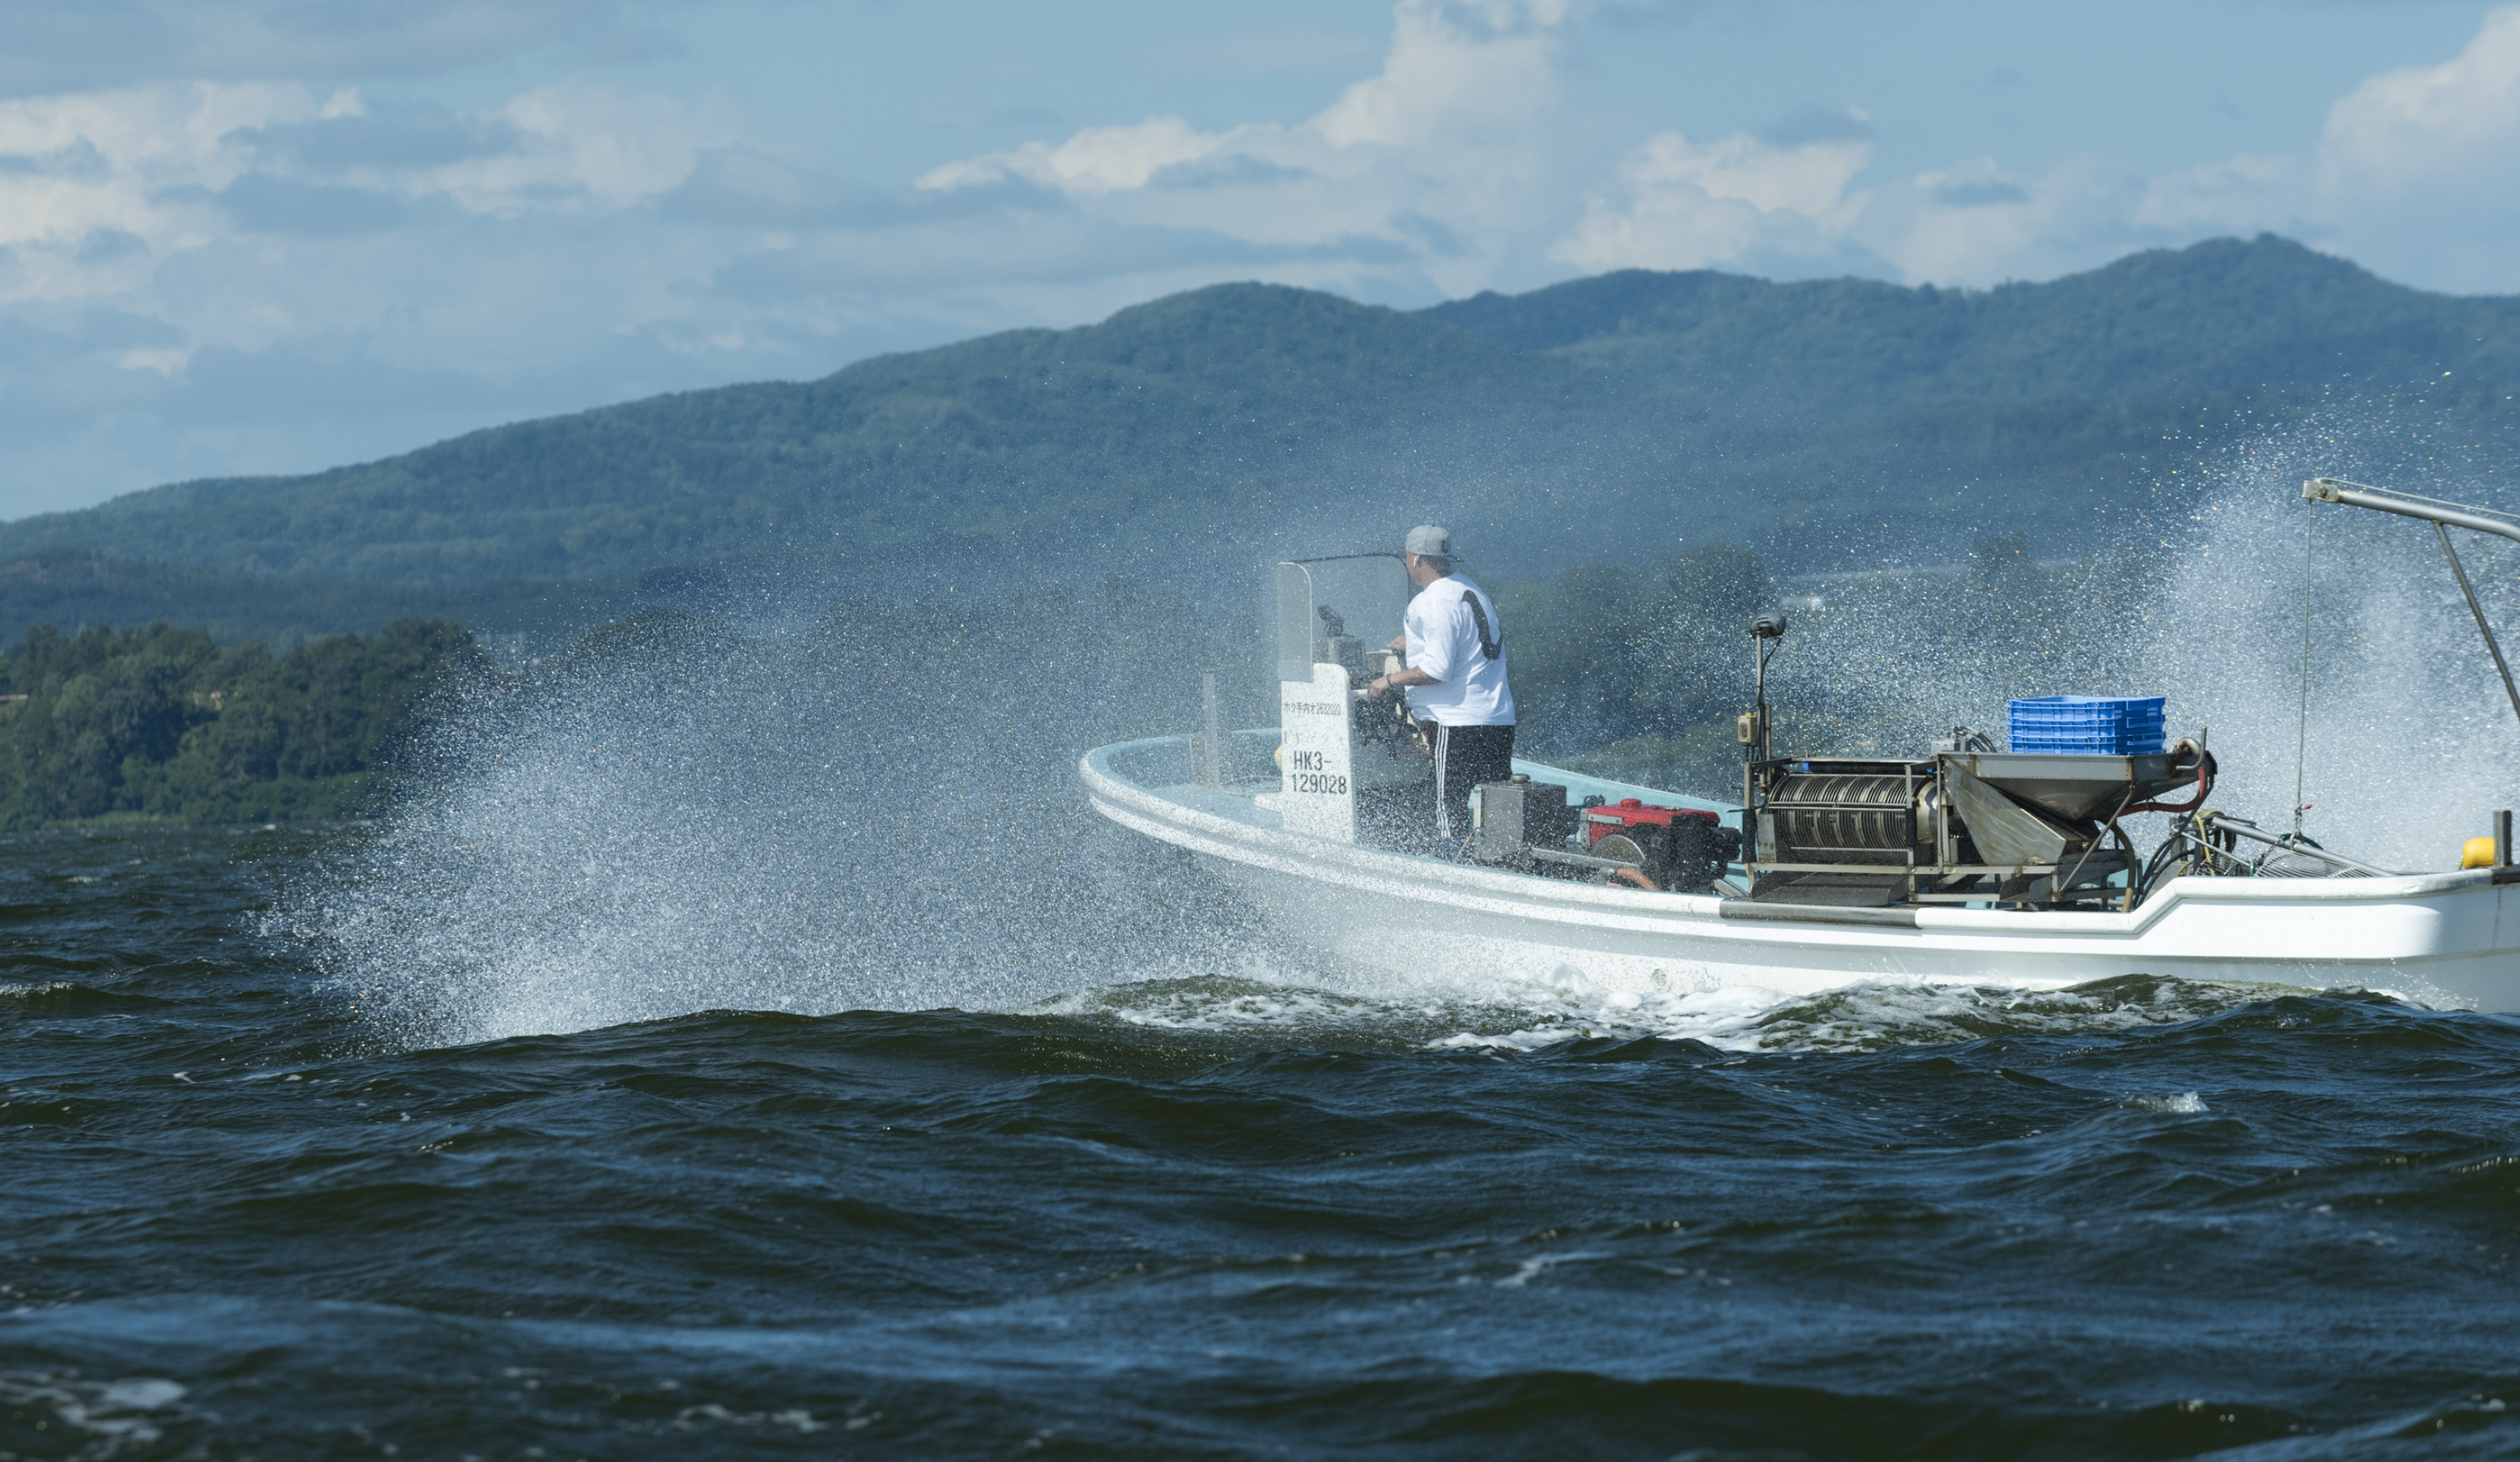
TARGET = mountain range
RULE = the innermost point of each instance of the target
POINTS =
(1831, 424)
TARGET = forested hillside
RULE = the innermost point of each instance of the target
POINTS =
(1167, 410)
(162, 722)
(1831, 424)
(74, 588)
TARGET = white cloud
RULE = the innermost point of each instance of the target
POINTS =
(1973, 223)
(2416, 173)
(1489, 63)
(582, 147)
(2240, 195)
(99, 191)
(1687, 206)
(1790, 206)
(1097, 160)
(136, 164)
(1427, 168)
(2417, 129)
(2418, 169)
(2416, 176)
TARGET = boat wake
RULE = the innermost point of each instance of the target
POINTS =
(1874, 1015)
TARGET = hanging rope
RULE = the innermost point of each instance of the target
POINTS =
(2301, 743)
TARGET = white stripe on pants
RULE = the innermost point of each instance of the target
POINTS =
(1443, 804)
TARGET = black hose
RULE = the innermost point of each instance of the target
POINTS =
(2163, 857)
(2212, 853)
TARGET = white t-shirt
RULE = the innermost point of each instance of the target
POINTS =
(1443, 640)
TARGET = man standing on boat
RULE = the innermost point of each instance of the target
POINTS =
(1452, 647)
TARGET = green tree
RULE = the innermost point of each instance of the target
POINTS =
(162, 722)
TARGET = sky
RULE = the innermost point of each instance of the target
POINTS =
(242, 237)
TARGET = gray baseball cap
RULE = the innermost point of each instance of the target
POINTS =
(1430, 541)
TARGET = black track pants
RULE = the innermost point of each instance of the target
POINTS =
(1465, 757)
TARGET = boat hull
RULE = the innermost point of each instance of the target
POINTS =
(2446, 939)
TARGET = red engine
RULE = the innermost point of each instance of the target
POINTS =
(1681, 849)
(1632, 813)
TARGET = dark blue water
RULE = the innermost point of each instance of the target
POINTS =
(243, 1217)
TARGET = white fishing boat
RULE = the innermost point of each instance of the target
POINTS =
(1963, 864)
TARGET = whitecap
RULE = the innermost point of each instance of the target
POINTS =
(2184, 1102)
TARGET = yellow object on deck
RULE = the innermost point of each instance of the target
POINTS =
(2476, 852)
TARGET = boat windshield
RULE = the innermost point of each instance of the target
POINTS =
(1362, 596)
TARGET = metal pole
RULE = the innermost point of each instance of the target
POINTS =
(2331, 490)
(1753, 754)
(2502, 839)
(2478, 610)
(1754, 748)
(2301, 747)
(2287, 844)
(1767, 742)
(1211, 768)
(2114, 813)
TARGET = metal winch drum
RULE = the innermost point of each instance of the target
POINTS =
(1868, 820)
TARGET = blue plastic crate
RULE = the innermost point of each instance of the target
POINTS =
(2128, 741)
(2078, 713)
(2089, 725)
(2087, 733)
(2125, 743)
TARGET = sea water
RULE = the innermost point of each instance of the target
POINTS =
(1249, 1212)
(718, 1051)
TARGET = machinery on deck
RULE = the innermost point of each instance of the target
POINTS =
(2035, 828)
(1826, 870)
(1965, 824)
(2032, 830)
(2040, 826)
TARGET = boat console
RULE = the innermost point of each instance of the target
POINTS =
(1353, 770)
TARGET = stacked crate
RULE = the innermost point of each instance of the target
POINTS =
(2089, 725)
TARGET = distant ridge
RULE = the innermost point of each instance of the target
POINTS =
(1574, 421)
(955, 445)
(2216, 317)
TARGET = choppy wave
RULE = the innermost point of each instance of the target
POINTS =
(1870, 1015)
(725, 1054)
(93, 1420)
(1268, 1209)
